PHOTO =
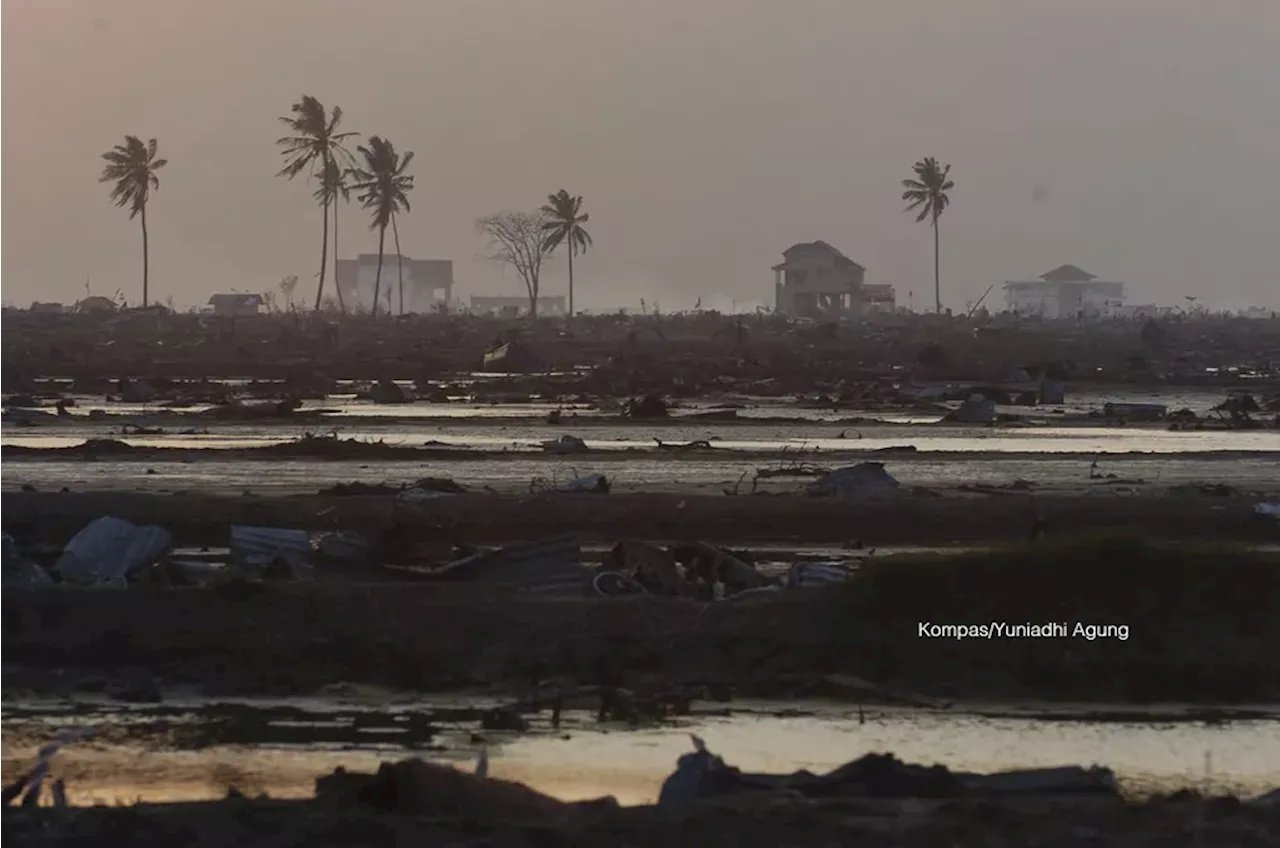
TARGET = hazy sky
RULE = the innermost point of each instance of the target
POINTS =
(706, 135)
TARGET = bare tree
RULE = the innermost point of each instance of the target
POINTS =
(287, 286)
(518, 239)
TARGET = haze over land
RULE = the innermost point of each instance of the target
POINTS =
(1134, 138)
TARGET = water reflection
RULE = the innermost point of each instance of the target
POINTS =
(1236, 756)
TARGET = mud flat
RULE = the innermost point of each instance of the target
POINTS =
(203, 519)
(758, 821)
(1201, 624)
(642, 352)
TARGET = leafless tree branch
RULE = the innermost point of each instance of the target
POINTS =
(517, 239)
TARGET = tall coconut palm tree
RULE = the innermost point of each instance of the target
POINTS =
(132, 167)
(314, 143)
(928, 193)
(333, 188)
(382, 187)
(563, 225)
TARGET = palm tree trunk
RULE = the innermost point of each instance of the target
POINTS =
(571, 251)
(377, 279)
(146, 258)
(342, 306)
(937, 279)
(324, 255)
(395, 231)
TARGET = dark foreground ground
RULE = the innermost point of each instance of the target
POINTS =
(761, 821)
(1203, 625)
(483, 518)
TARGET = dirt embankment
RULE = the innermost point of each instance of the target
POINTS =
(483, 518)
(1200, 625)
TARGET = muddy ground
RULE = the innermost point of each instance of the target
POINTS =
(689, 353)
(203, 519)
(759, 821)
(1203, 625)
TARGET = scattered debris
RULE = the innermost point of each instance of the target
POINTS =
(647, 407)
(696, 444)
(429, 488)
(552, 566)
(388, 391)
(975, 410)
(649, 566)
(19, 570)
(512, 358)
(418, 788)
(565, 445)
(271, 552)
(108, 549)
(866, 479)
(804, 575)
(795, 469)
(701, 775)
(1267, 509)
(1135, 411)
(596, 483)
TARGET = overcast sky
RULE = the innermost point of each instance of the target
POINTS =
(1137, 139)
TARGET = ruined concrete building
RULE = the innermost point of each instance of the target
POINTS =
(817, 281)
(236, 304)
(427, 282)
(1065, 292)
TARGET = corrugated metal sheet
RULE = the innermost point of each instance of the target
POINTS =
(257, 547)
(546, 566)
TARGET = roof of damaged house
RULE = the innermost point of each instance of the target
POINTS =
(819, 246)
(1067, 274)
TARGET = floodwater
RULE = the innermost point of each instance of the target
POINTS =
(1043, 454)
(761, 437)
(581, 760)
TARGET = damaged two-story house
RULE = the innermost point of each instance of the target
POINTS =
(815, 280)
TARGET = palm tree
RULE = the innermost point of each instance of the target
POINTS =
(132, 167)
(395, 233)
(928, 193)
(314, 143)
(333, 187)
(564, 220)
(382, 187)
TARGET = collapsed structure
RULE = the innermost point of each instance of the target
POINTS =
(815, 280)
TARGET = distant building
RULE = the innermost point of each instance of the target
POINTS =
(878, 297)
(427, 282)
(236, 304)
(1065, 292)
(97, 304)
(49, 308)
(816, 280)
(514, 306)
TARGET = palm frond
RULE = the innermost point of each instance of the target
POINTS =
(132, 168)
(314, 140)
(928, 192)
(562, 222)
(380, 182)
